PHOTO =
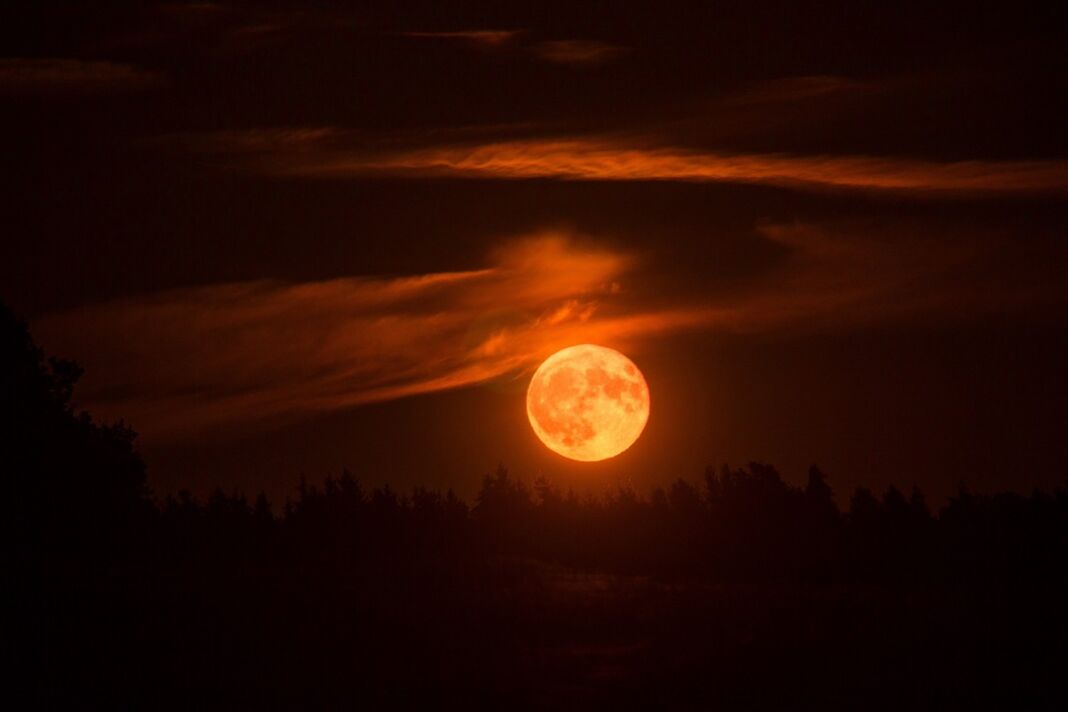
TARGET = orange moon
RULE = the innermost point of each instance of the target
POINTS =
(588, 402)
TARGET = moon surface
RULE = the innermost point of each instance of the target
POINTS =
(588, 402)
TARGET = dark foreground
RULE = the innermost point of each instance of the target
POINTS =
(511, 633)
(743, 592)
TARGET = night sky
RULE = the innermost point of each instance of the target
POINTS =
(292, 238)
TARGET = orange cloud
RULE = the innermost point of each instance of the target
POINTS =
(231, 355)
(584, 159)
(331, 153)
(212, 356)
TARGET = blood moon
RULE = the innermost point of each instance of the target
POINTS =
(588, 402)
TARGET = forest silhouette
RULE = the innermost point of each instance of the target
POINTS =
(741, 590)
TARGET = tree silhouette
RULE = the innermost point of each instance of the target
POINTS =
(742, 592)
(76, 488)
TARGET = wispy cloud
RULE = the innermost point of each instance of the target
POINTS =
(578, 52)
(839, 275)
(232, 353)
(791, 89)
(193, 8)
(570, 52)
(235, 355)
(488, 38)
(602, 160)
(327, 153)
(20, 74)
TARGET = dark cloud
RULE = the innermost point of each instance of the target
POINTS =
(52, 74)
(578, 52)
(790, 89)
(572, 52)
(488, 38)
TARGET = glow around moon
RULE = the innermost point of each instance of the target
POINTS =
(588, 402)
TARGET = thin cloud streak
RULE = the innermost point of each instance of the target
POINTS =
(330, 153)
(488, 38)
(564, 52)
(794, 89)
(611, 161)
(22, 75)
(578, 52)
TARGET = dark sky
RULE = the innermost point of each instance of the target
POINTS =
(289, 238)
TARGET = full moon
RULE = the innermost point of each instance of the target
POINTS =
(588, 402)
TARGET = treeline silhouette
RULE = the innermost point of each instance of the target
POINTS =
(741, 525)
(739, 590)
